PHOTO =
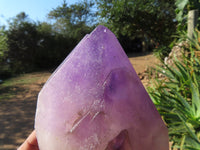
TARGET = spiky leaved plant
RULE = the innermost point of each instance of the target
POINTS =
(177, 98)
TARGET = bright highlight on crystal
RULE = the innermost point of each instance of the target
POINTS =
(96, 101)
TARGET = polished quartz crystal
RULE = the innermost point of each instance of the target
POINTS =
(95, 101)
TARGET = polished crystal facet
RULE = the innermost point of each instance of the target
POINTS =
(95, 101)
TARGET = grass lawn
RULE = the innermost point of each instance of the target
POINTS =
(14, 86)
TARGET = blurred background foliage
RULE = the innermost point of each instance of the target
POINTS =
(27, 45)
(140, 25)
(151, 21)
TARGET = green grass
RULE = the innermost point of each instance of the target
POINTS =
(20, 80)
(12, 87)
(7, 95)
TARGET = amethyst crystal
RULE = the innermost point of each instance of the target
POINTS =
(95, 101)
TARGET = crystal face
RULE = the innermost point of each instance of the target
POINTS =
(95, 101)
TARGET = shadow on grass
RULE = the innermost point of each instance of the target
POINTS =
(17, 112)
(8, 92)
(18, 97)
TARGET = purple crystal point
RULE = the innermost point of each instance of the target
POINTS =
(95, 101)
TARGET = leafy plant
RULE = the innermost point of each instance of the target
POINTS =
(194, 42)
(182, 5)
(3, 44)
(163, 51)
(4, 69)
(177, 98)
(182, 9)
(140, 19)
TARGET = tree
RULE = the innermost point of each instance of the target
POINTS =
(73, 20)
(4, 69)
(3, 45)
(53, 46)
(22, 43)
(149, 20)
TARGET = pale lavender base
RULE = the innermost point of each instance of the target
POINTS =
(92, 97)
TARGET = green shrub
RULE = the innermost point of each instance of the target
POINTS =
(162, 52)
(177, 98)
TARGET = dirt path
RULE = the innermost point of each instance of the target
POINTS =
(142, 62)
(17, 113)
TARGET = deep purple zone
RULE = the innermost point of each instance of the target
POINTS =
(120, 142)
(118, 84)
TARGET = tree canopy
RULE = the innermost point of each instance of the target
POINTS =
(148, 19)
(73, 20)
(28, 44)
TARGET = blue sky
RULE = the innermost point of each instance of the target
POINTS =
(36, 9)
